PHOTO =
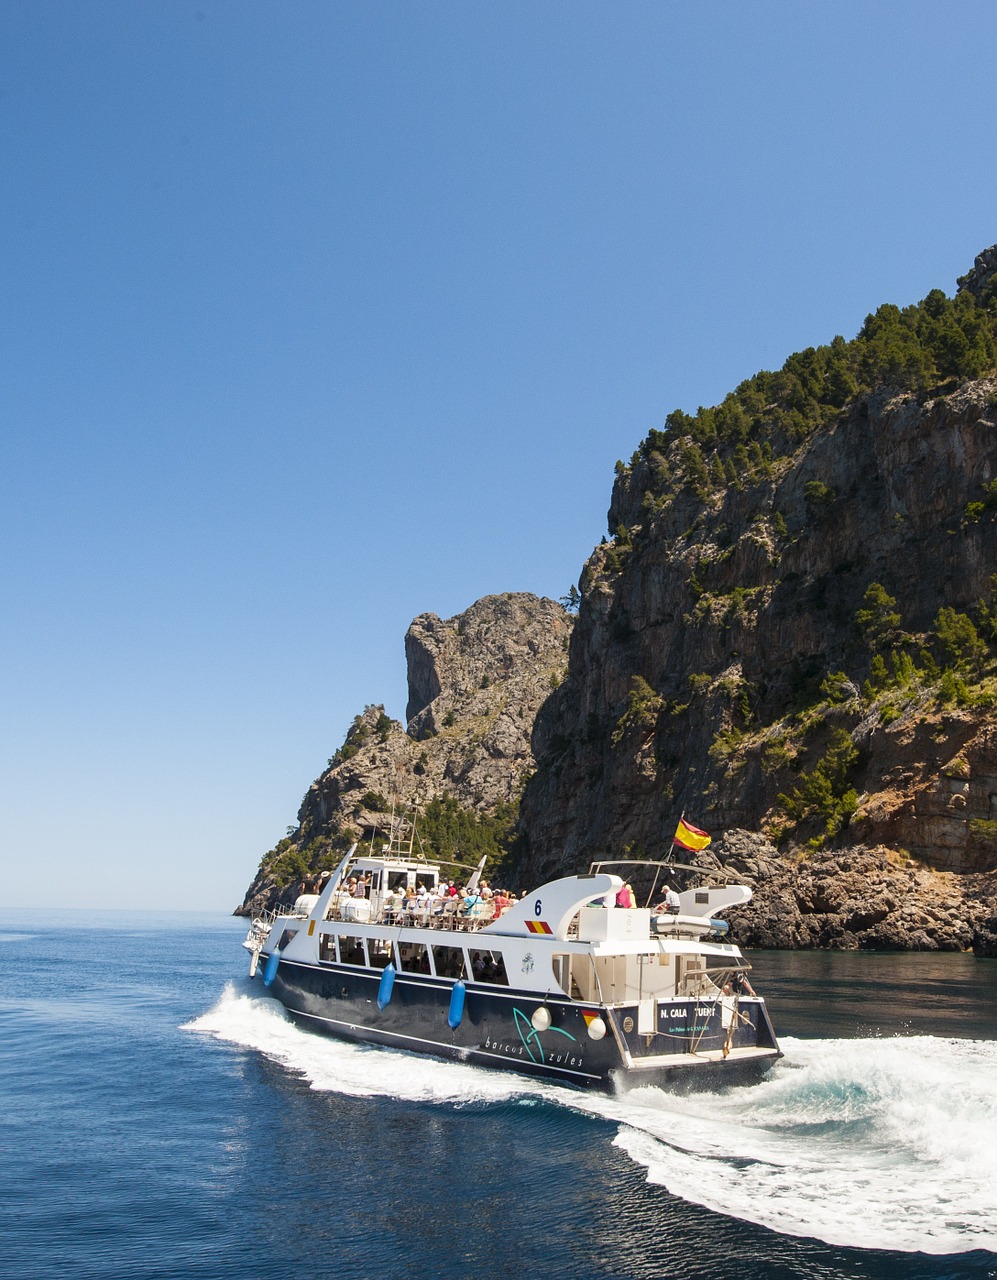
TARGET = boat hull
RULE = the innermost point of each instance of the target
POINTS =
(691, 1048)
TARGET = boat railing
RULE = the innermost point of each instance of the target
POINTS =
(348, 910)
(262, 923)
(470, 919)
(706, 874)
(264, 919)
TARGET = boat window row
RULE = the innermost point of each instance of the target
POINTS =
(473, 964)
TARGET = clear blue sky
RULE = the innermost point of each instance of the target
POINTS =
(318, 316)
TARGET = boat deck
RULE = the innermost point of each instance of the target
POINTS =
(449, 915)
(702, 1058)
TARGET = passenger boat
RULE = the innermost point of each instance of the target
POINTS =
(563, 984)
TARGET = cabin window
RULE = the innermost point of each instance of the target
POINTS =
(691, 977)
(564, 976)
(378, 952)
(488, 966)
(397, 880)
(413, 957)
(327, 947)
(351, 949)
(449, 962)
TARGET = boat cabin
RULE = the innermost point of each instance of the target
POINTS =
(386, 884)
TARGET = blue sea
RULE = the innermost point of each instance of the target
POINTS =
(160, 1117)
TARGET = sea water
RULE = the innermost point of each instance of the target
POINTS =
(160, 1116)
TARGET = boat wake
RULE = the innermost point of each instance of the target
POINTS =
(359, 1071)
(884, 1144)
(872, 1143)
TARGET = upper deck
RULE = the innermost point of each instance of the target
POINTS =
(398, 892)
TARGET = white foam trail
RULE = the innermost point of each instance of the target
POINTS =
(356, 1070)
(885, 1144)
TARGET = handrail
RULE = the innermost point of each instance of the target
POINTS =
(406, 918)
(718, 872)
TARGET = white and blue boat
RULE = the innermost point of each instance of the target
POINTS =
(563, 984)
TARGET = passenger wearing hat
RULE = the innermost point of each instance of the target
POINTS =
(669, 901)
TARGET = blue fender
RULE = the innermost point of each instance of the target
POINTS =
(270, 972)
(386, 986)
(456, 1005)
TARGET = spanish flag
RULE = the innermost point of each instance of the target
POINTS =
(690, 837)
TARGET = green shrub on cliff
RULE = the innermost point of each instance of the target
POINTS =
(448, 832)
(877, 619)
(984, 832)
(836, 687)
(825, 793)
(986, 613)
(820, 497)
(960, 641)
(289, 866)
(642, 711)
(920, 348)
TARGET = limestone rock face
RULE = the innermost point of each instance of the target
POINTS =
(490, 662)
(475, 684)
(733, 618)
(984, 271)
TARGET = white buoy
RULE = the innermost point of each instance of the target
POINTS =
(541, 1019)
(597, 1029)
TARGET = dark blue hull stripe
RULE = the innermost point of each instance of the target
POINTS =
(437, 1049)
(495, 1028)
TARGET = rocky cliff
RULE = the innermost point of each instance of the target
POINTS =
(800, 644)
(475, 683)
(790, 635)
(734, 621)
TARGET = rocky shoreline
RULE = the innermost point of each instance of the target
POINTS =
(860, 898)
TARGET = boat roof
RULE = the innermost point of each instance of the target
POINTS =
(394, 862)
(666, 864)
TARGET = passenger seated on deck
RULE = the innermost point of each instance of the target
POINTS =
(669, 901)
